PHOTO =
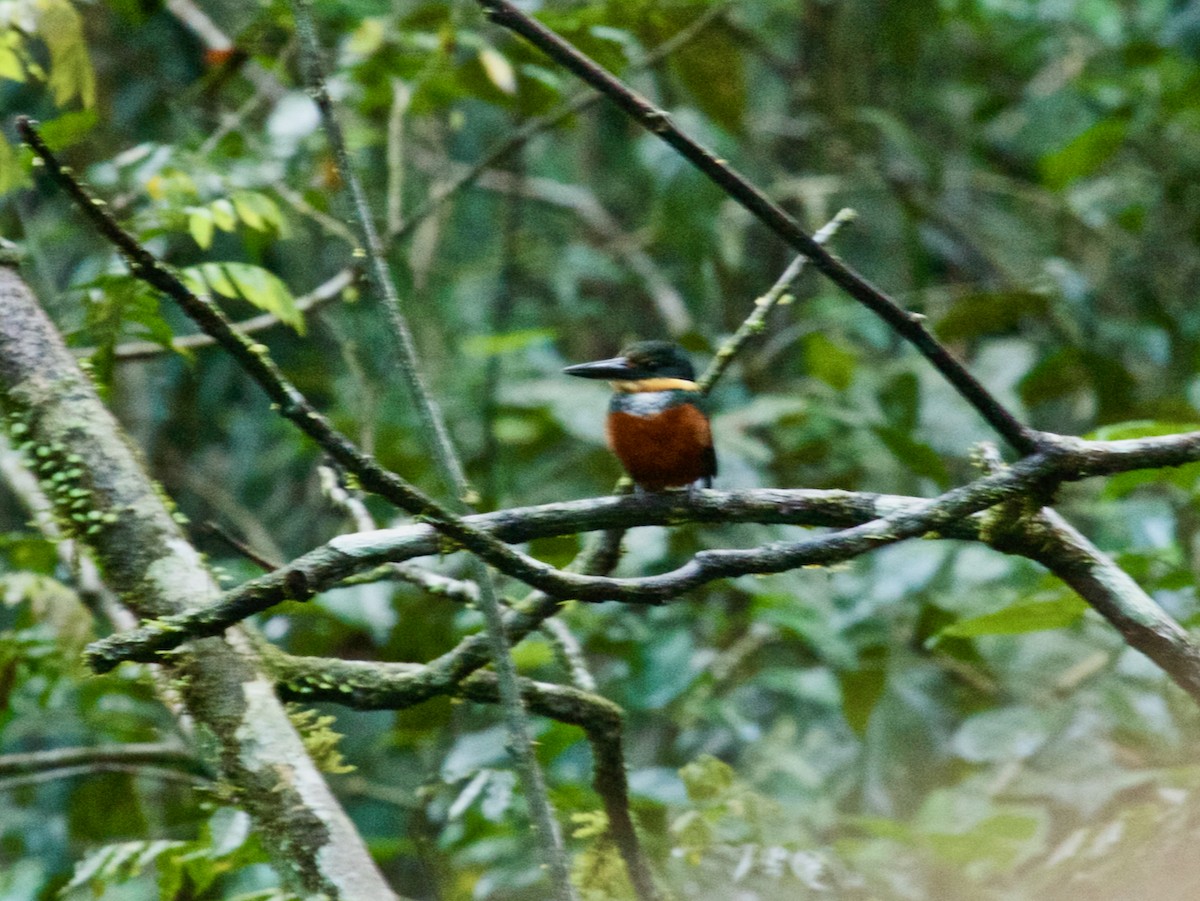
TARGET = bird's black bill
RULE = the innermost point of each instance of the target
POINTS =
(615, 369)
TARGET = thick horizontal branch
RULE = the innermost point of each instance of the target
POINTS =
(347, 555)
(867, 522)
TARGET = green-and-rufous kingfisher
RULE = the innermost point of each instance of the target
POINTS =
(656, 424)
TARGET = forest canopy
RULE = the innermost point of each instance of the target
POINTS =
(318, 268)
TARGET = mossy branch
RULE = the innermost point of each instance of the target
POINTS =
(364, 685)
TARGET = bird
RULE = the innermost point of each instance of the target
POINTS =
(656, 425)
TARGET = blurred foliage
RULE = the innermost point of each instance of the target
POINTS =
(934, 721)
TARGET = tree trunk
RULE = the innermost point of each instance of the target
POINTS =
(103, 496)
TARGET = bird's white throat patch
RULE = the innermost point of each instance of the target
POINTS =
(638, 386)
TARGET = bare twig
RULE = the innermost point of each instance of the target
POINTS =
(345, 500)
(330, 224)
(571, 653)
(240, 546)
(754, 323)
(461, 590)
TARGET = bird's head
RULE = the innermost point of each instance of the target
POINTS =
(642, 366)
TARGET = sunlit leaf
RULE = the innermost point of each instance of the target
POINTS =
(71, 75)
(224, 215)
(1141, 428)
(707, 778)
(499, 70)
(200, 226)
(257, 210)
(250, 283)
(508, 342)
(10, 64)
(68, 129)
(13, 173)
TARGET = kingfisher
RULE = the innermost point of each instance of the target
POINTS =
(656, 424)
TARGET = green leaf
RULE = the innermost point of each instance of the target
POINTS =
(1029, 616)
(506, 342)
(917, 456)
(250, 283)
(532, 653)
(1084, 154)
(1071, 370)
(257, 210)
(974, 315)
(710, 67)
(900, 400)
(69, 128)
(862, 688)
(118, 862)
(13, 173)
(498, 70)
(998, 840)
(706, 778)
(10, 62)
(71, 75)
(1141, 428)
(200, 226)
(830, 362)
(224, 214)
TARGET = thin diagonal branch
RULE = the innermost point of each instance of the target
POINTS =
(407, 361)
(908, 325)
(160, 755)
(255, 361)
